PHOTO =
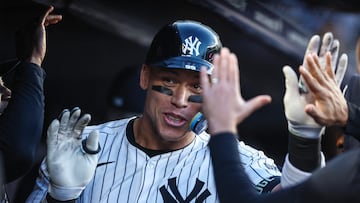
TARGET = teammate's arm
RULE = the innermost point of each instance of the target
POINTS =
(352, 126)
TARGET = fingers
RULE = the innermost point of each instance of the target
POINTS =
(92, 142)
(52, 132)
(334, 51)
(234, 72)
(313, 75)
(52, 19)
(341, 69)
(313, 46)
(204, 79)
(326, 44)
(254, 104)
(71, 125)
(330, 72)
(46, 13)
(47, 19)
(64, 120)
(81, 124)
(226, 66)
(74, 117)
(316, 77)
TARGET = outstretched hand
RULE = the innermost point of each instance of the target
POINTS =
(321, 48)
(300, 106)
(329, 107)
(31, 39)
(223, 105)
(71, 160)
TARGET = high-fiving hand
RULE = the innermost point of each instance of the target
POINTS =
(71, 160)
(322, 75)
(223, 105)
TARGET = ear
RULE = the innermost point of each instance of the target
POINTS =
(358, 54)
(144, 77)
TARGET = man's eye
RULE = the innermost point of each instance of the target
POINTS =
(169, 80)
(197, 87)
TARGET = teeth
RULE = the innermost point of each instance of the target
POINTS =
(174, 118)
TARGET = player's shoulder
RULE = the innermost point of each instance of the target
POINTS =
(109, 126)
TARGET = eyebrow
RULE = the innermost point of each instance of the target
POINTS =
(176, 73)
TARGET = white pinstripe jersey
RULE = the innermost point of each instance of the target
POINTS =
(127, 174)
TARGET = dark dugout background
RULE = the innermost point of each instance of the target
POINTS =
(99, 41)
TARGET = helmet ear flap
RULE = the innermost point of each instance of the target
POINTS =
(184, 44)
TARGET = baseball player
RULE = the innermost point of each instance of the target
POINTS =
(154, 157)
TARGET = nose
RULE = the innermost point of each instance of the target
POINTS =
(180, 97)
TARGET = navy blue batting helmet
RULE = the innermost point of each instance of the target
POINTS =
(184, 44)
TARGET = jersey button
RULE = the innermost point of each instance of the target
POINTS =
(151, 165)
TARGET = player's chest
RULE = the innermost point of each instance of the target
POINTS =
(169, 178)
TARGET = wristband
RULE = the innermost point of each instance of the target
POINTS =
(64, 194)
(291, 175)
(305, 131)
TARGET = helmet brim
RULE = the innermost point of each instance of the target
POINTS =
(184, 62)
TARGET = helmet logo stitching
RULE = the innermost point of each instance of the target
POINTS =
(190, 46)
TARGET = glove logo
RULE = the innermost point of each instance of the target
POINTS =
(194, 194)
(190, 46)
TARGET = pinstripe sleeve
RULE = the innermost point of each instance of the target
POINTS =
(38, 195)
(261, 170)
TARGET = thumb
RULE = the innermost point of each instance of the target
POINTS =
(92, 141)
(291, 81)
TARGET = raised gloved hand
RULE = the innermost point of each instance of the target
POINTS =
(295, 101)
(71, 160)
(329, 44)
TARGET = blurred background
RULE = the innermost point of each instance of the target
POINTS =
(95, 52)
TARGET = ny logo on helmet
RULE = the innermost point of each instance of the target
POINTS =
(191, 45)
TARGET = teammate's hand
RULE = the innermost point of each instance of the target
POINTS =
(329, 107)
(297, 97)
(329, 44)
(223, 105)
(71, 160)
(31, 40)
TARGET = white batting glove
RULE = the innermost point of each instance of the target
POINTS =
(300, 123)
(329, 44)
(71, 161)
